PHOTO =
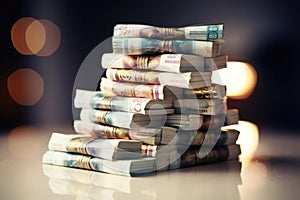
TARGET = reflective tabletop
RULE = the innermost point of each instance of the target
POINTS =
(269, 168)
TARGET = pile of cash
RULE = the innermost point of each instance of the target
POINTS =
(158, 107)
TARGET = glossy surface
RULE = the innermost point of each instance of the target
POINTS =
(273, 172)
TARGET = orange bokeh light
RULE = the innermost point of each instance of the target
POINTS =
(18, 33)
(52, 40)
(35, 37)
(25, 86)
(248, 138)
(239, 77)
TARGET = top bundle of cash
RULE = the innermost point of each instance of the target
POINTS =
(194, 32)
(139, 46)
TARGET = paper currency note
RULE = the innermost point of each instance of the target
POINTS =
(145, 135)
(165, 62)
(195, 32)
(122, 119)
(132, 167)
(96, 99)
(107, 117)
(132, 90)
(138, 46)
(111, 149)
(181, 80)
(100, 131)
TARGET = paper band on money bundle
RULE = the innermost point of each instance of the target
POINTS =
(111, 149)
(139, 46)
(165, 62)
(211, 92)
(158, 92)
(180, 80)
(194, 32)
(101, 100)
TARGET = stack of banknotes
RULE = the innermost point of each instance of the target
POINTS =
(158, 107)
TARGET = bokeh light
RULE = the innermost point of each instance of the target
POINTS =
(35, 37)
(18, 33)
(248, 138)
(25, 86)
(239, 77)
(52, 40)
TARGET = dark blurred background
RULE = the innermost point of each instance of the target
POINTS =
(262, 33)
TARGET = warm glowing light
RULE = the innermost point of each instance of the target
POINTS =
(248, 138)
(18, 32)
(23, 142)
(254, 175)
(239, 77)
(52, 40)
(25, 86)
(35, 37)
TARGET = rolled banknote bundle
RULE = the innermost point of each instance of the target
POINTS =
(145, 135)
(193, 156)
(172, 135)
(111, 149)
(159, 92)
(180, 80)
(101, 100)
(128, 120)
(129, 167)
(164, 62)
(139, 46)
(195, 32)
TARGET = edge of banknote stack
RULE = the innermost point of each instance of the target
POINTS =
(158, 107)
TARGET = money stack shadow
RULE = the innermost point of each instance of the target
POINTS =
(157, 107)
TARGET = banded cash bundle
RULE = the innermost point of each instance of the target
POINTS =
(180, 80)
(129, 167)
(101, 100)
(164, 62)
(200, 106)
(122, 119)
(140, 46)
(194, 32)
(158, 92)
(171, 135)
(193, 156)
(145, 135)
(110, 149)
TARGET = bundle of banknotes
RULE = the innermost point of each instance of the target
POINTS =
(158, 107)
